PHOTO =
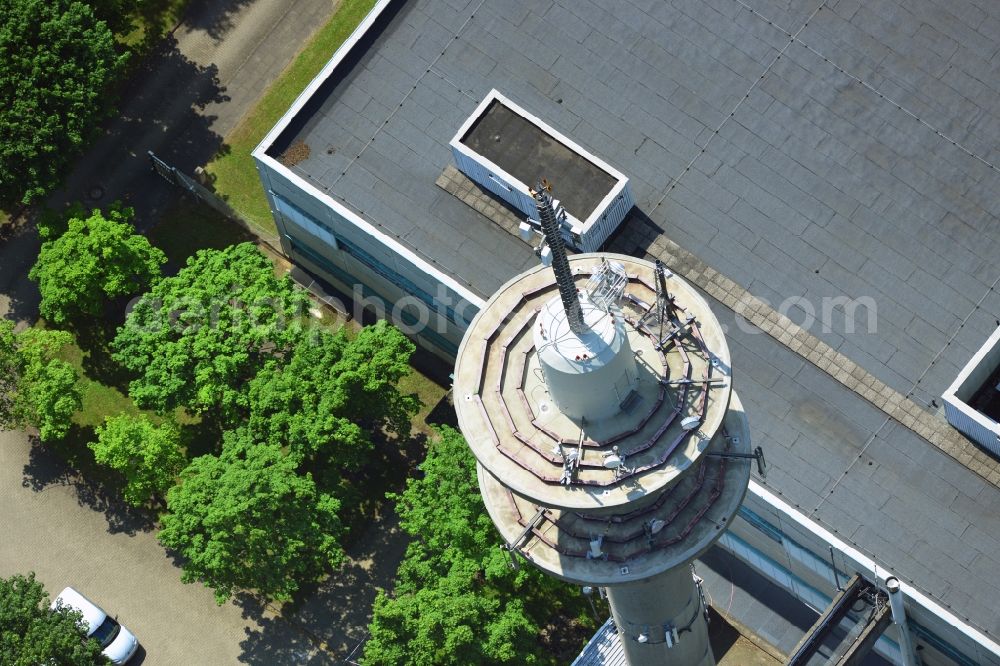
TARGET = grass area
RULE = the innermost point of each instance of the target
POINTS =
(233, 171)
(99, 400)
(430, 394)
(103, 385)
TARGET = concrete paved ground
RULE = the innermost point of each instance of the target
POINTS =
(71, 533)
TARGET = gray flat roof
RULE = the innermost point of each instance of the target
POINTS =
(876, 483)
(853, 160)
(814, 186)
(526, 152)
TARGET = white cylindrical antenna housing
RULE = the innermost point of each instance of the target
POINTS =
(588, 374)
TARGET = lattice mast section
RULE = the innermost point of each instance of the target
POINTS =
(551, 216)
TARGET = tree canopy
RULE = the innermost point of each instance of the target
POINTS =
(32, 634)
(97, 258)
(195, 339)
(455, 599)
(9, 375)
(247, 520)
(333, 391)
(56, 63)
(451, 621)
(37, 388)
(147, 455)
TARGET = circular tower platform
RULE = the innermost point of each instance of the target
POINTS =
(605, 454)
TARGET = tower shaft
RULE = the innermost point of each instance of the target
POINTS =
(654, 607)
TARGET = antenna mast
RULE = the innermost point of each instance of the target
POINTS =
(551, 219)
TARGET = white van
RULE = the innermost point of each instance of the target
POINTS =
(117, 642)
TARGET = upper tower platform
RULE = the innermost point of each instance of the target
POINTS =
(521, 436)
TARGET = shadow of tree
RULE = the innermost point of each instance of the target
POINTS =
(332, 615)
(162, 112)
(94, 336)
(202, 437)
(188, 226)
(19, 247)
(69, 462)
(275, 641)
(362, 493)
(215, 18)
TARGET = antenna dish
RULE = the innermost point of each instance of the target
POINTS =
(690, 422)
(612, 460)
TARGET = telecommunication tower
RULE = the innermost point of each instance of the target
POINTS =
(597, 398)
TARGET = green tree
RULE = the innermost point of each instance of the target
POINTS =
(39, 389)
(455, 620)
(57, 61)
(248, 520)
(32, 634)
(456, 601)
(9, 375)
(197, 338)
(335, 391)
(147, 455)
(96, 259)
(444, 510)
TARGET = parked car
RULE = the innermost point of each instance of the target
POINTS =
(117, 642)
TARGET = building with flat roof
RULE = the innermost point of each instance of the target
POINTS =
(825, 173)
